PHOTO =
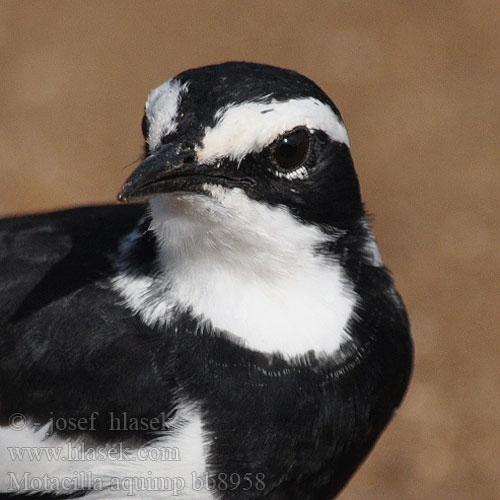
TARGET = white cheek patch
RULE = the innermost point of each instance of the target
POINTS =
(162, 109)
(251, 126)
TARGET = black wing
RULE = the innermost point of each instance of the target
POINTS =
(68, 348)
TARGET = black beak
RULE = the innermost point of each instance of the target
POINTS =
(158, 173)
(173, 168)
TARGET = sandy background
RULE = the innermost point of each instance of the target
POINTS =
(418, 86)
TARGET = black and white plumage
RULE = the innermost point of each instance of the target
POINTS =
(247, 308)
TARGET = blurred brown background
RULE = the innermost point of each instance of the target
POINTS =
(418, 86)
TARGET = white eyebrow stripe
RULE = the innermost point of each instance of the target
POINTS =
(162, 109)
(251, 126)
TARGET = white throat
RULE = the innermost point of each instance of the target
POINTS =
(248, 269)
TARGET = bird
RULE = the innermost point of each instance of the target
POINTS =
(228, 331)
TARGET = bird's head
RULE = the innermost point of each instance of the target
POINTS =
(240, 134)
(255, 206)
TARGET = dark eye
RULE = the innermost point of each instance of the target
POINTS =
(292, 149)
(145, 126)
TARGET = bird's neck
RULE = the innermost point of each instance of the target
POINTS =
(247, 269)
(237, 237)
(253, 271)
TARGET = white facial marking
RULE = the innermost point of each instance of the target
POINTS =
(245, 268)
(32, 461)
(162, 109)
(250, 126)
(298, 173)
